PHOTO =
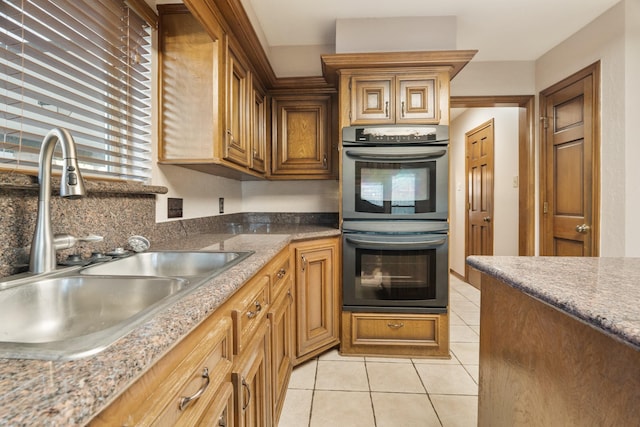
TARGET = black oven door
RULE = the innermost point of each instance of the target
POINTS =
(395, 272)
(395, 182)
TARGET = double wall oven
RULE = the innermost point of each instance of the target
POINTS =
(395, 211)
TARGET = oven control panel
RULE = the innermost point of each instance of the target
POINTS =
(396, 134)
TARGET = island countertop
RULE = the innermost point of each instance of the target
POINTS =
(54, 393)
(602, 292)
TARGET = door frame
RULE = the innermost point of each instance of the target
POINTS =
(526, 159)
(594, 71)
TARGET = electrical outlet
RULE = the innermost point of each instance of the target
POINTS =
(174, 207)
(221, 204)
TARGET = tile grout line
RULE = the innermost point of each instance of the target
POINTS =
(426, 391)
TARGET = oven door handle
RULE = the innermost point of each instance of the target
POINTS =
(415, 244)
(390, 157)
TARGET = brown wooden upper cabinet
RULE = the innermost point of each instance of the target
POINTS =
(236, 142)
(213, 112)
(302, 139)
(394, 98)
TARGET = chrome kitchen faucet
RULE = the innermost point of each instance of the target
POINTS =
(44, 245)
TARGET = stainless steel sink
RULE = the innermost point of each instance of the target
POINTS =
(75, 313)
(169, 264)
(73, 316)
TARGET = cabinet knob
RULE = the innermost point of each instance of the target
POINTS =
(324, 160)
(281, 273)
(252, 314)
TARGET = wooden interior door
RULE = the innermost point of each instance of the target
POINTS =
(570, 167)
(479, 169)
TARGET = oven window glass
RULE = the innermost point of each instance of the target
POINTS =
(395, 275)
(395, 188)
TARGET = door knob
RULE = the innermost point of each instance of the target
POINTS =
(582, 228)
(487, 219)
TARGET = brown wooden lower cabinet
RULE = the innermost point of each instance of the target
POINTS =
(317, 289)
(201, 362)
(234, 368)
(394, 334)
(251, 378)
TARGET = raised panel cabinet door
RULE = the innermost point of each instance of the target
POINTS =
(281, 318)
(302, 136)
(236, 139)
(372, 101)
(317, 305)
(258, 128)
(251, 378)
(417, 100)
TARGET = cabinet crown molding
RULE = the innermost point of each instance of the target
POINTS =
(456, 60)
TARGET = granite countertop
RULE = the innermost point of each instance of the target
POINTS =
(54, 393)
(602, 292)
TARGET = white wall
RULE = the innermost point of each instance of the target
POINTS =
(604, 40)
(632, 116)
(290, 196)
(505, 216)
(495, 78)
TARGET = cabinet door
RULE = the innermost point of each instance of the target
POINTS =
(317, 303)
(281, 317)
(372, 100)
(220, 411)
(302, 136)
(251, 379)
(258, 128)
(417, 100)
(236, 147)
(190, 63)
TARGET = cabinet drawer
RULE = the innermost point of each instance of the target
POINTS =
(195, 381)
(388, 329)
(248, 314)
(280, 275)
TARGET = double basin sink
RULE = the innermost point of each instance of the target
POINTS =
(77, 312)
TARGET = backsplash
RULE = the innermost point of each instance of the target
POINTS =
(115, 211)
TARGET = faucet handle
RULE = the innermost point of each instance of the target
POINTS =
(91, 238)
(66, 241)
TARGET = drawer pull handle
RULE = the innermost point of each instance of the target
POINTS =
(186, 401)
(395, 325)
(248, 401)
(281, 273)
(258, 309)
(304, 263)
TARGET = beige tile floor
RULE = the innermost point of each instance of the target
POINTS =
(332, 390)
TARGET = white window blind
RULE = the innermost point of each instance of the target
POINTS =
(83, 66)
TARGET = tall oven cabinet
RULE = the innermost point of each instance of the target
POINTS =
(387, 90)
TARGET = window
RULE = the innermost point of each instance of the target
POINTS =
(79, 65)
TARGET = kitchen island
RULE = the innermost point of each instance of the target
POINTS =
(53, 393)
(559, 341)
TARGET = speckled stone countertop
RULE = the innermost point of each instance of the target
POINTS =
(603, 292)
(56, 393)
